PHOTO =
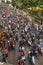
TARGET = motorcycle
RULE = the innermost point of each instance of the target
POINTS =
(23, 58)
(13, 44)
(29, 42)
(31, 58)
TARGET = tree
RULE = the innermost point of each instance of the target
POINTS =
(27, 3)
(13, 2)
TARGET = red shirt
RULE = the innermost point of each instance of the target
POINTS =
(1, 42)
(20, 62)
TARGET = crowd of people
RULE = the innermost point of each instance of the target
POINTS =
(13, 22)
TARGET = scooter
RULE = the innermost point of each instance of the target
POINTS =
(23, 58)
(29, 42)
(13, 45)
(31, 58)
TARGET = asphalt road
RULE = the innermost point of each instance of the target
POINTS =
(13, 55)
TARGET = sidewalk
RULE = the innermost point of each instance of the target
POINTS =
(5, 63)
(0, 55)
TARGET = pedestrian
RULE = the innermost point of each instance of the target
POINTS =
(20, 49)
(20, 62)
(32, 57)
(36, 52)
(13, 44)
(3, 58)
(6, 52)
(9, 45)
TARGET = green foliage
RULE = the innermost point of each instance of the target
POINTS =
(13, 2)
(17, 3)
(26, 3)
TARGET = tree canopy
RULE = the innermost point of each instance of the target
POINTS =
(26, 3)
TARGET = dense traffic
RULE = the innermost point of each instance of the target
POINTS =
(17, 28)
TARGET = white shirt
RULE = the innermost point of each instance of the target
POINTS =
(22, 48)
